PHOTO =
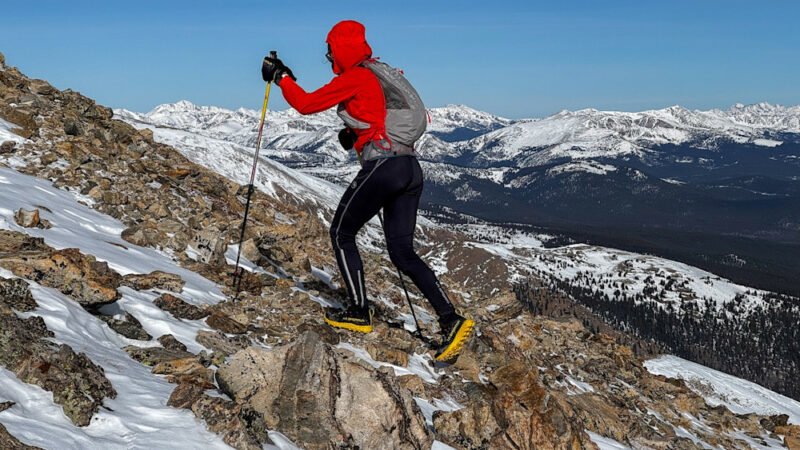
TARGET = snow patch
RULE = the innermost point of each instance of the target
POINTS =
(605, 443)
(718, 388)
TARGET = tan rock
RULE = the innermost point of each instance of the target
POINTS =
(185, 395)
(250, 251)
(321, 400)
(221, 322)
(179, 173)
(48, 158)
(413, 383)
(186, 370)
(179, 308)
(96, 193)
(285, 283)
(87, 281)
(381, 352)
(30, 219)
(146, 133)
(154, 280)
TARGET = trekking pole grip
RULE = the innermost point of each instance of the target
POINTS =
(273, 54)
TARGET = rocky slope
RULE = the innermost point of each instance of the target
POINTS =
(123, 305)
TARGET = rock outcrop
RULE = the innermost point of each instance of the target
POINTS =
(81, 277)
(154, 280)
(180, 308)
(77, 384)
(129, 327)
(320, 398)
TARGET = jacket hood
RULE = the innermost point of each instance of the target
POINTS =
(348, 45)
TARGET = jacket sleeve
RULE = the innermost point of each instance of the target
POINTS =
(339, 89)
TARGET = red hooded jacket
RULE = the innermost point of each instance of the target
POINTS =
(356, 87)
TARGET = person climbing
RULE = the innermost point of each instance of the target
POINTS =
(390, 177)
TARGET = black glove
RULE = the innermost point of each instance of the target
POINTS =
(347, 138)
(273, 69)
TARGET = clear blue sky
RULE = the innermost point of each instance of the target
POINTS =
(518, 59)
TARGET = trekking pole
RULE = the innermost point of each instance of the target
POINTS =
(403, 283)
(237, 276)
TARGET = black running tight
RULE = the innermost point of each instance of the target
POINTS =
(395, 185)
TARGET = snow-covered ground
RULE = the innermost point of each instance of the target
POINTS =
(611, 270)
(719, 388)
(139, 416)
(77, 226)
(7, 135)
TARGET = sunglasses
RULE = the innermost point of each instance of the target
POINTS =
(329, 55)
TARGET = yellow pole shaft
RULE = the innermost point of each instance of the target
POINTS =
(260, 132)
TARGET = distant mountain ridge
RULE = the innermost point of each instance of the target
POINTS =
(588, 129)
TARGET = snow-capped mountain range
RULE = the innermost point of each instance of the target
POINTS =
(582, 134)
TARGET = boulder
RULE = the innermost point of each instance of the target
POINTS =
(239, 426)
(381, 352)
(179, 308)
(30, 219)
(48, 158)
(521, 414)
(73, 127)
(130, 327)
(186, 370)
(211, 246)
(154, 280)
(219, 321)
(146, 235)
(220, 343)
(470, 427)
(250, 251)
(185, 395)
(151, 356)
(7, 147)
(321, 399)
(170, 343)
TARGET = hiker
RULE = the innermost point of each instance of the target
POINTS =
(390, 177)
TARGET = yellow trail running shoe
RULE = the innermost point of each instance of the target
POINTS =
(350, 319)
(455, 335)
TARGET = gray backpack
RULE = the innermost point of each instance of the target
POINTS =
(406, 117)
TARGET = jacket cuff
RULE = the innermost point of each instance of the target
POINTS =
(283, 78)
